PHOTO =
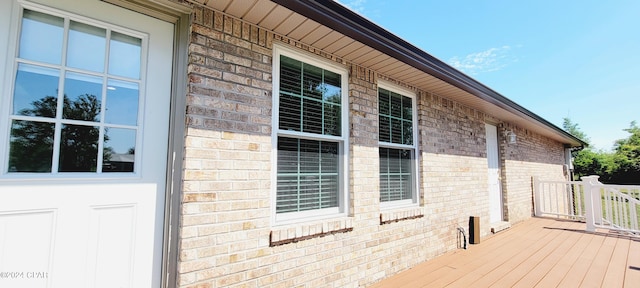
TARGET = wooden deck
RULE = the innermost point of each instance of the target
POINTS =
(539, 252)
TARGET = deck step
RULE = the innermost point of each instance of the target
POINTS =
(499, 226)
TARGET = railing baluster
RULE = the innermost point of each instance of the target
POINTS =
(581, 199)
(577, 199)
(584, 201)
(621, 216)
(625, 209)
(608, 207)
(552, 187)
(634, 215)
(545, 190)
(567, 187)
(615, 209)
(547, 196)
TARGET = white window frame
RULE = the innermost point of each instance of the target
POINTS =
(416, 155)
(343, 140)
(6, 99)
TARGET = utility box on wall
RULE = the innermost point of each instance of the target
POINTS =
(474, 230)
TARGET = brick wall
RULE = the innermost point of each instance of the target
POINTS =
(226, 235)
(454, 166)
(532, 156)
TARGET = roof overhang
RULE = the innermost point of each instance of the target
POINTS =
(333, 28)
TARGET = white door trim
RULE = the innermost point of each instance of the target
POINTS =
(180, 15)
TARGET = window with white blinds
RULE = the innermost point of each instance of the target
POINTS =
(308, 175)
(310, 137)
(396, 179)
(397, 147)
(396, 118)
(310, 98)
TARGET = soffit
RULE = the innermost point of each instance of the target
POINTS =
(166, 10)
(285, 22)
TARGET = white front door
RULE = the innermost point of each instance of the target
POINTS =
(83, 144)
(495, 190)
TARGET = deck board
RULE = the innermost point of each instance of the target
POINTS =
(599, 265)
(504, 264)
(573, 278)
(452, 261)
(614, 277)
(632, 273)
(472, 268)
(531, 270)
(559, 268)
(539, 252)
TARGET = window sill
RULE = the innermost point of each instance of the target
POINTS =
(304, 231)
(387, 217)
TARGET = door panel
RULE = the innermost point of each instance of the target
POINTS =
(495, 190)
(33, 230)
(89, 214)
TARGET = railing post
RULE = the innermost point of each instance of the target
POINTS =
(591, 202)
(537, 200)
(596, 195)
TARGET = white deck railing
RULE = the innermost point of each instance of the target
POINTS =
(615, 207)
(563, 199)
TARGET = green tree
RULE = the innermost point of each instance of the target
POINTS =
(620, 167)
(588, 161)
(79, 143)
(573, 129)
(32, 142)
(627, 156)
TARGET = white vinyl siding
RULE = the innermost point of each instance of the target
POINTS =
(309, 137)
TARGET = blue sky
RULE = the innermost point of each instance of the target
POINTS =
(576, 59)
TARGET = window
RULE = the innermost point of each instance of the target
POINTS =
(75, 99)
(398, 176)
(310, 136)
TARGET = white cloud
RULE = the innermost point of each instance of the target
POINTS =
(489, 60)
(355, 5)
